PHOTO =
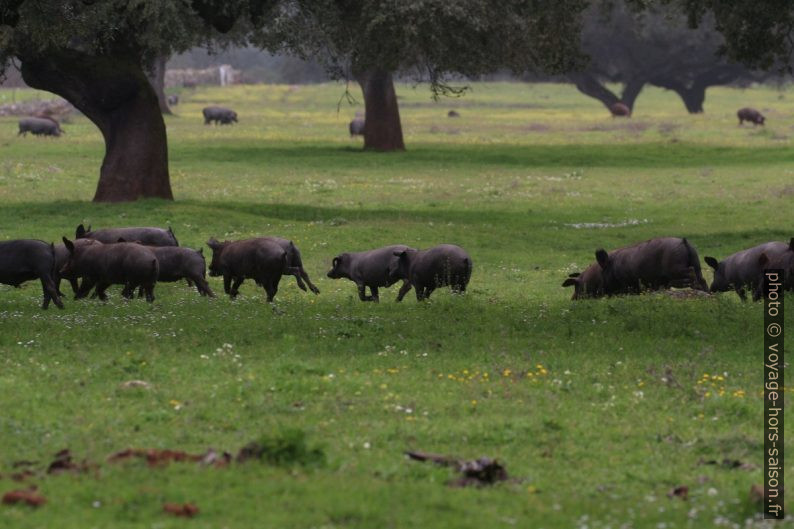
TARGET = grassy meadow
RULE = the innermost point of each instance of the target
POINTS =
(597, 408)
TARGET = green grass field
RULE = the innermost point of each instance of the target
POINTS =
(597, 408)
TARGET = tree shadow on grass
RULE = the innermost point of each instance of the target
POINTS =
(647, 155)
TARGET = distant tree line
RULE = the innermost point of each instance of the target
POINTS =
(106, 57)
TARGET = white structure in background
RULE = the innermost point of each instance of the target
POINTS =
(226, 74)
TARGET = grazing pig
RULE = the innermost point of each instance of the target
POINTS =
(620, 109)
(221, 115)
(751, 115)
(178, 262)
(588, 284)
(453, 114)
(259, 259)
(145, 236)
(102, 265)
(357, 126)
(27, 259)
(658, 263)
(173, 100)
(426, 270)
(61, 257)
(39, 127)
(743, 269)
(371, 269)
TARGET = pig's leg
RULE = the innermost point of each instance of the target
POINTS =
(427, 292)
(271, 287)
(305, 277)
(128, 292)
(100, 291)
(298, 279)
(236, 286)
(374, 296)
(85, 288)
(50, 293)
(149, 289)
(203, 287)
(403, 290)
(362, 295)
(227, 282)
(740, 292)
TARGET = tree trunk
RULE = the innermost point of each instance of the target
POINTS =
(590, 86)
(115, 94)
(692, 96)
(382, 128)
(157, 79)
(631, 90)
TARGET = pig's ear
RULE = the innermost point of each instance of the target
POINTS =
(712, 262)
(575, 274)
(602, 257)
(335, 262)
(401, 254)
(763, 259)
(79, 232)
(569, 282)
(69, 245)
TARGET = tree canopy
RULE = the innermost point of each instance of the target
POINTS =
(757, 34)
(654, 46)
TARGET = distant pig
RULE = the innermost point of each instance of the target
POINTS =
(655, 264)
(426, 270)
(743, 269)
(751, 115)
(371, 269)
(102, 265)
(145, 236)
(620, 109)
(259, 259)
(39, 127)
(173, 100)
(588, 284)
(24, 260)
(357, 126)
(221, 115)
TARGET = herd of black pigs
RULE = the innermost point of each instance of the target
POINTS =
(140, 257)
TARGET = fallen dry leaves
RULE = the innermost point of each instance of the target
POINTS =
(28, 496)
(188, 510)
